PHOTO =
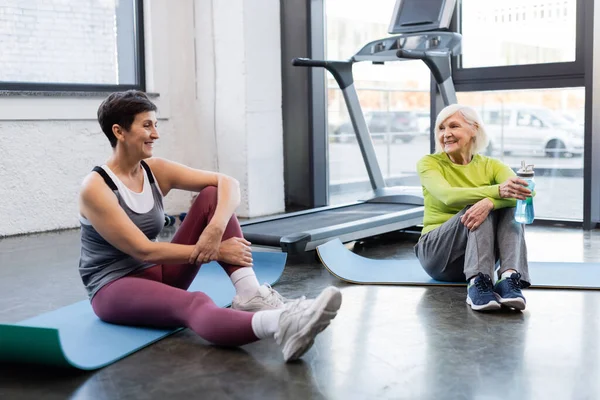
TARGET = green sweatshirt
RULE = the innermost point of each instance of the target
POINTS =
(449, 187)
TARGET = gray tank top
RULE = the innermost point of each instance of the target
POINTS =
(100, 262)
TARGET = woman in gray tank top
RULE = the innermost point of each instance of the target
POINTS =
(133, 279)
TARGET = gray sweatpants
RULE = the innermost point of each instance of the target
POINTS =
(452, 253)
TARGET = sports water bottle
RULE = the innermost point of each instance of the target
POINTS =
(524, 212)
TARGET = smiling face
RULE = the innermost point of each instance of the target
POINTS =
(456, 135)
(141, 135)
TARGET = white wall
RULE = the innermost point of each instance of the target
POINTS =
(48, 144)
(239, 91)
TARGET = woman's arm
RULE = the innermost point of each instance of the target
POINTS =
(100, 206)
(172, 175)
(502, 173)
(504, 203)
(435, 183)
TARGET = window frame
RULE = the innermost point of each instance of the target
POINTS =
(526, 76)
(561, 75)
(580, 73)
(140, 71)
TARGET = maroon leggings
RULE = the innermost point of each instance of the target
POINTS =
(158, 296)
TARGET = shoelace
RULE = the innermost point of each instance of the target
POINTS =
(515, 283)
(293, 304)
(293, 308)
(484, 283)
(275, 298)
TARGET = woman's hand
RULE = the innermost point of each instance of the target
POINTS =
(236, 251)
(514, 188)
(476, 214)
(207, 247)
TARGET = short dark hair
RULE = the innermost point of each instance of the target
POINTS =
(121, 108)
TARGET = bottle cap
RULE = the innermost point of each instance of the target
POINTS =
(525, 170)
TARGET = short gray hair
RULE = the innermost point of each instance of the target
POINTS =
(472, 117)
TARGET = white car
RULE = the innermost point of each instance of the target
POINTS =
(522, 129)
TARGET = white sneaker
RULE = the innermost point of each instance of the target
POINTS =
(303, 320)
(266, 298)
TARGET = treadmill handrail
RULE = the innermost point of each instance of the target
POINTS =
(438, 62)
(341, 70)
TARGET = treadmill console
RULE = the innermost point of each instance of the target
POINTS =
(421, 15)
(386, 49)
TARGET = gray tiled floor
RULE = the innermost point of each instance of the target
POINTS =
(387, 342)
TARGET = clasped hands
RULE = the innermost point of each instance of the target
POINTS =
(235, 250)
(514, 187)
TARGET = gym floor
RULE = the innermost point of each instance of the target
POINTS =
(386, 342)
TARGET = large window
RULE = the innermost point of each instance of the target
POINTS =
(519, 44)
(517, 32)
(522, 67)
(544, 128)
(64, 44)
(394, 98)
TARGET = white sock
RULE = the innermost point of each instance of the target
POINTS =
(265, 323)
(506, 274)
(245, 282)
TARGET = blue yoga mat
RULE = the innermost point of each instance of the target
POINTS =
(73, 336)
(351, 267)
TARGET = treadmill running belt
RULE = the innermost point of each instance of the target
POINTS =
(321, 219)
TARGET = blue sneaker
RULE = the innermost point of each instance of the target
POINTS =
(509, 292)
(480, 294)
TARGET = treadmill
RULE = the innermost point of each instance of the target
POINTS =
(420, 24)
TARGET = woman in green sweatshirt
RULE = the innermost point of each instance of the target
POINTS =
(469, 220)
